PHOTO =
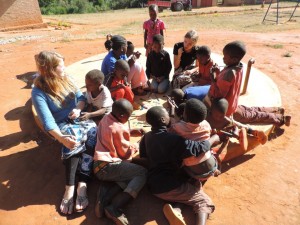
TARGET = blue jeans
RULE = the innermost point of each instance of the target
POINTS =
(161, 87)
(130, 177)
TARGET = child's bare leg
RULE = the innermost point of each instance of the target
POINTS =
(201, 218)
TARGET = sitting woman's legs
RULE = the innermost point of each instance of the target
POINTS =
(163, 86)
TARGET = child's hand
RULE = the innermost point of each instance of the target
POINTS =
(180, 51)
(160, 79)
(85, 116)
(171, 102)
(74, 114)
(137, 54)
(121, 86)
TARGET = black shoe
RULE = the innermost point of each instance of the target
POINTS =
(116, 215)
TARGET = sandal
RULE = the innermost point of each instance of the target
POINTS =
(82, 203)
(66, 206)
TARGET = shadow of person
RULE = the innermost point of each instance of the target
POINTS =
(28, 78)
(31, 177)
(29, 130)
(277, 132)
(235, 162)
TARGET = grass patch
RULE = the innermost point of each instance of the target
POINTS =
(275, 46)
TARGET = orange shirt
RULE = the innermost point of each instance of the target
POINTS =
(204, 73)
(113, 141)
(230, 90)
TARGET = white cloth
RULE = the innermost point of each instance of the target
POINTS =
(137, 76)
(103, 100)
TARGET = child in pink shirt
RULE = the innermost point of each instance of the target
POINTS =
(151, 27)
(113, 153)
(227, 83)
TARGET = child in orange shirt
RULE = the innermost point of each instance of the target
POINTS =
(116, 82)
(202, 77)
(113, 153)
(227, 83)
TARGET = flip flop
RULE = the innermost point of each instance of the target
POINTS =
(82, 202)
(66, 206)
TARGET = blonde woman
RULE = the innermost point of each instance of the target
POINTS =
(58, 103)
(185, 59)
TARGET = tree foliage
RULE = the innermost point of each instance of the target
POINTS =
(50, 7)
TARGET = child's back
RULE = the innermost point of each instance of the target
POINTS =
(196, 128)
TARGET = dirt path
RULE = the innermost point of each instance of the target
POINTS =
(261, 187)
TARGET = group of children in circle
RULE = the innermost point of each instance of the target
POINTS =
(203, 106)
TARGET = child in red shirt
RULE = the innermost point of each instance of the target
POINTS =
(152, 27)
(227, 83)
(116, 82)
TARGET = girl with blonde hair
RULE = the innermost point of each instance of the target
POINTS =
(58, 103)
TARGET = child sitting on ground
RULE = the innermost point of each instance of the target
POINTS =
(97, 95)
(137, 76)
(165, 152)
(113, 153)
(227, 83)
(152, 27)
(196, 128)
(116, 82)
(205, 63)
(218, 120)
(158, 66)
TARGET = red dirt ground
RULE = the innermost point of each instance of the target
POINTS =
(261, 187)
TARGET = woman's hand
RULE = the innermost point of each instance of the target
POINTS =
(68, 141)
(74, 114)
(180, 51)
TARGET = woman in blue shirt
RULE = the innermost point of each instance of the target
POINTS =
(58, 103)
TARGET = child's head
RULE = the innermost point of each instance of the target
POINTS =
(234, 52)
(177, 95)
(121, 69)
(118, 44)
(50, 64)
(190, 40)
(108, 43)
(93, 80)
(130, 48)
(122, 109)
(158, 43)
(219, 108)
(180, 110)
(203, 54)
(195, 111)
(153, 11)
(157, 116)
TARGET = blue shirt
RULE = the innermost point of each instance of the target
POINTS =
(198, 92)
(49, 112)
(108, 63)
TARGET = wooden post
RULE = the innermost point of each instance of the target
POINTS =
(250, 62)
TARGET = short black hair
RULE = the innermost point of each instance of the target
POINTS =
(153, 7)
(96, 76)
(235, 49)
(179, 111)
(220, 104)
(178, 95)
(117, 41)
(154, 115)
(158, 38)
(122, 65)
(130, 45)
(195, 111)
(203, 50)
(122, 107)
